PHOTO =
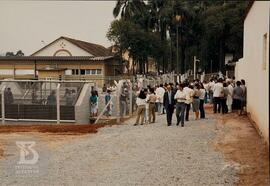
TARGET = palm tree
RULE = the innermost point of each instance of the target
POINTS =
(128, 8)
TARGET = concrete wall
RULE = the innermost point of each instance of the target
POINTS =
(250, 67)
(82, 110)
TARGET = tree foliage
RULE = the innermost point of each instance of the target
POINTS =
(206, 29)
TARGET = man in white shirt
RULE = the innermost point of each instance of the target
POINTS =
(180, 98)
(189, 93)
(160, 94)
(217, 94)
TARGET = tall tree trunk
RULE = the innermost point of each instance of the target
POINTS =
(221, 55)
(147, 66)
(133, 66)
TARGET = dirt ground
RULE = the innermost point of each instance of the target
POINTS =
(242, 144)
(55, 129)
(237, 139)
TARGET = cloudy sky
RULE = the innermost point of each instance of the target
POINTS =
(25, 24)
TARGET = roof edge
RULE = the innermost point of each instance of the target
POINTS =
(61, 37)
(250, 4)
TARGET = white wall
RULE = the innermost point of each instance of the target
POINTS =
(82, 110)
(6, 71)
(62, 44)
(24, 71)
(250, 67)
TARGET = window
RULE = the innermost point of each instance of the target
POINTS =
(264, 57)
(86, 72)
(75, 72)
(82, 72)
(93, 71)
(98, 71)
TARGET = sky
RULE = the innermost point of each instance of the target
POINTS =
(30, 25)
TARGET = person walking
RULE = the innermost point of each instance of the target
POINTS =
(69, 98)
(109, 105)
(151, 100)
(123, 100)
(202, 101)
(180, 98)
(210, 91)
(51, 99)
(196, 101)
(169, 102)
(188, 89)
(237, 97)
(217, 94)
(229, 97)
(146, 115)
(160, 95)
(8, 96)
(205, 86)
(140, 101)
(93, 104)
(244, 100)
(224, 98)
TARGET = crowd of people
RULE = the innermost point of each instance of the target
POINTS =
(225, 94)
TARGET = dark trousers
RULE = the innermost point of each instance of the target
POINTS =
(180, 113)
(169, 113)
(187, 111)
(202, 112)
(217, 104)
(224, 105)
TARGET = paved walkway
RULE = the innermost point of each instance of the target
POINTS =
(152, 154)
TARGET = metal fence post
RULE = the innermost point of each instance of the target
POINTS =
(58, 103)
(3, 104)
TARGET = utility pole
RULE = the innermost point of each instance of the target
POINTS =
(195, 60)
(177, 51)
(178, 19)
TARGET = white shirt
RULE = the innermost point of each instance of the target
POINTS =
(202, 93)
(211, 85)
(217, 89)
(160, 94)
(230, 90)
(189, 94)
(180, 96)
(206, 86)
(140, 101)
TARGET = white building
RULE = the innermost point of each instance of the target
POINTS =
(254, 66)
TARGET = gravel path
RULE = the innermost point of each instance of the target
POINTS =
(151, 154)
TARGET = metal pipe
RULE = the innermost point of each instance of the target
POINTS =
(3, 104)
(51, 81)
(58, 103)
(40, 120)
(177, 57)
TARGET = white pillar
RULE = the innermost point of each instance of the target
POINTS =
(58, 102)
(3, 104)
